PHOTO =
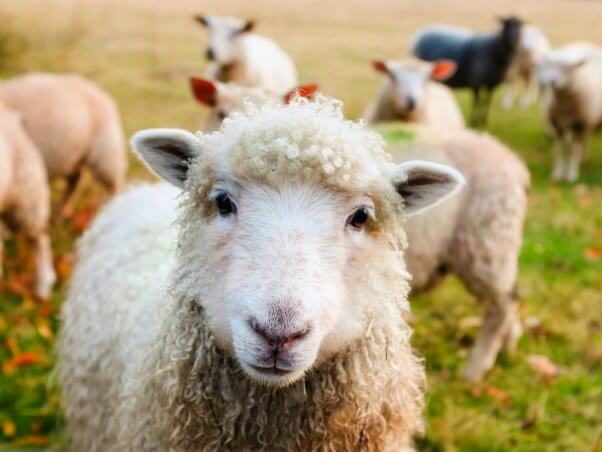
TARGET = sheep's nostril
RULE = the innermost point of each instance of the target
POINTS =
(210, 54)
(411, 103)
(279, 341)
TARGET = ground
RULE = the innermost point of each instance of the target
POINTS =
(141, 51)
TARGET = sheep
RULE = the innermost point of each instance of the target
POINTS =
(226, 98)
(274, 318)
(74, 124)
(482, 59)
(411, 95)
(521, 76)
(25, 196)
(572, 76)
(237, 55)
(476, 236)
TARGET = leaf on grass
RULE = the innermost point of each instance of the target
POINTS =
(81, 220)
(64, 266)
(593, 253)
(22, 359)
(33, 440)
(543, 367)
(9, 428)
(497, 394)
(44, 329)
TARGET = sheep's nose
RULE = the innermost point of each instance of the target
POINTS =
(280, 340)
(411, 103)
(210, 54)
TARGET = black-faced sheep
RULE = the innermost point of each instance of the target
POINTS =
(272, 316)
(482, 59)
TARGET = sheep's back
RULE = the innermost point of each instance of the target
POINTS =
(114, 306)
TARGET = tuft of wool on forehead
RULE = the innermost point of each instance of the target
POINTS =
(304, 141)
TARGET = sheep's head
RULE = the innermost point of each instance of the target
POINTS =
(408, 79)
(227, 98)
(291, 230)
(556, 69)
(511, 32)
(224, 33)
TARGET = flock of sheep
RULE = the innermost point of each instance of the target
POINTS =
(258, 298)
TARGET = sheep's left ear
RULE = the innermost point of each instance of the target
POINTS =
(167, 152)
(442, 70)
(424, 184)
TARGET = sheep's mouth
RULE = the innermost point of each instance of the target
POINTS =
(270, 371)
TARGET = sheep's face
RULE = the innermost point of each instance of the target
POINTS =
(409, 78)
(511, 32)
(224, 36)
(557, 74)
(290, 266)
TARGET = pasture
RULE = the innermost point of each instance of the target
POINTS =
(141, 51)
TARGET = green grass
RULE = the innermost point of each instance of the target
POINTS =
(141, 52)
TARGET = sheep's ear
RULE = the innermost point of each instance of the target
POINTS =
(205, 91)
(203, 20)
(248, 26)
(167, 152)
(306, 91)
(442, 70)
(424, 184)
(380, 66)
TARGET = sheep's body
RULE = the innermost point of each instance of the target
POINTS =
(574, 108)
(476, 236)
(482, 59)
(260, 63)
(144, 361)
(521, 77)
(25, 195)
(73, 124)
(438, 108)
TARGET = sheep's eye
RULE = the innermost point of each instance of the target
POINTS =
(221, 114)
(224, 204)
(359, 218)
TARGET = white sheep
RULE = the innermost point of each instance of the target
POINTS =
(476, 235)
(74, 124)
(275, 319)
(227, 98)
(521, 79)
(572, 75)
(239, 56)
(411, 94)
(25, 196)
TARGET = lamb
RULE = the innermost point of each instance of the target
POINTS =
(411, 95)
(274, 318)
(239, 56)
(482, 59)
(74, 124)
(521, 76)
(573, 77)
(227, 98)
(476, 236)
(25, 196)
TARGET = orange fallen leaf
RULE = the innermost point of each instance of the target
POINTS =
(543, 367)
(64, 266)
(498, 394)
(44, 329)
(593, 253)
(22, 359)
(33, 440)
(82, 219)
(9, 428)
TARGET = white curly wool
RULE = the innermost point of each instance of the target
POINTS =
(158, 359)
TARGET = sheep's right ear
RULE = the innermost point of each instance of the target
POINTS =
(424, 184)
(203, 20)
(167, 152)
(205, 91)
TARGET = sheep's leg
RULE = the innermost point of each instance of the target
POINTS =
(485, 106)
(509, 95)
(499, 328)
(45, 275)
(577, 147)
(561, 144)
(476, 97)
(529, 91)
(66, 205)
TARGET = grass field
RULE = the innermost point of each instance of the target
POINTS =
(141, 51)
